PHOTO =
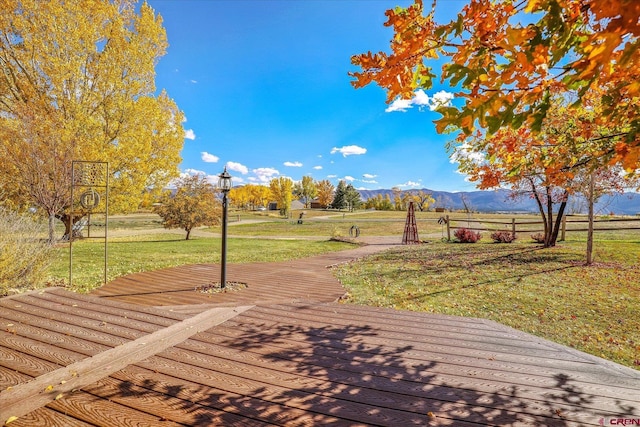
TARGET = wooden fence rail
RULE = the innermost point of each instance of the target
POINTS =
(515, 226)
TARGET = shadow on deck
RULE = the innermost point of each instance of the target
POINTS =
(148, 349)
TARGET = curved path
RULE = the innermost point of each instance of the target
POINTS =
(184, 287)
(150, 349)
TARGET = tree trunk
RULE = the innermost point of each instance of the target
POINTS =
(558, 223)
(52, 231)
(188, 230)
(68, 226)
(551, 227)
(540, 209)
(548, 230)
(590, 231)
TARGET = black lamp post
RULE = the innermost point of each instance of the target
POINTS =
(224, 184)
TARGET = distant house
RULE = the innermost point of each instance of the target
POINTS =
(315, 204)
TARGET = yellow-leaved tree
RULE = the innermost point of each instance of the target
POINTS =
(325, 192)
(282, 192)
(194, 204)
(77, 82)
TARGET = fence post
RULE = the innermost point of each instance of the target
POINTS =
(513, 228)
(448, 230)
(563, 228)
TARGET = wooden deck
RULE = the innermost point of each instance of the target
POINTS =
(308, 279)
(150, 350)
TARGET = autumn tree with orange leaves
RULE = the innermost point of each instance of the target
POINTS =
(507, 73)
(550, 165)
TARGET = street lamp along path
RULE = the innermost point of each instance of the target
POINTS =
(224, 185)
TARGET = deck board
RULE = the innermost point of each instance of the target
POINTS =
(297, 358)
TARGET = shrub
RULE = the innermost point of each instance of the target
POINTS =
(503, 236)
(464, 235)
(538, 237)
(24, 254)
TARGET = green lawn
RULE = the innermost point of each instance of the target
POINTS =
(151, 252)
(333, 223)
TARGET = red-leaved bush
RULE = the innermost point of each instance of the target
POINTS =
(503, 236)
(538, 237)
(464, 235)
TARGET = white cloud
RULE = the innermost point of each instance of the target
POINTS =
(399, 105)
(191, 172)
(441, 99)
(265, 175)
(349, 178)
(421, 99)
(332, 176)
(293, 164)
(317, 168)
(212, 179)
(369, 181)
(189, 134)
(209, 158)
(368, 176)
(465, 153)
(237, 167)
(409, 184)
(193, 81)
(349, 150)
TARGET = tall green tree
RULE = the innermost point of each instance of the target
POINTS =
(339, 201)
(282, 192)
(194, 204)
(77, 82)
(352, 197)
(305, 190)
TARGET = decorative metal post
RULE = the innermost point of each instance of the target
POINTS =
(224, 184)
(92, 178)
(410, 236)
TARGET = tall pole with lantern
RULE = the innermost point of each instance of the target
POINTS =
(224, 184)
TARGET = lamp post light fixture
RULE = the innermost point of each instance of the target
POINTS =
(224, 185)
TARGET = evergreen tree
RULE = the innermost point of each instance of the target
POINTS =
(339, 201)
(352, 197)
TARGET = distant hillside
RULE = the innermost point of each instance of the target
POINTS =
(499, 201)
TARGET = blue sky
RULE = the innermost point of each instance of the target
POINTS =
(264, 88)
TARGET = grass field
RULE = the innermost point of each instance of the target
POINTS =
(149, 252)
(546, 292)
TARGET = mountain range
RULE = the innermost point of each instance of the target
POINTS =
(501, 201)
